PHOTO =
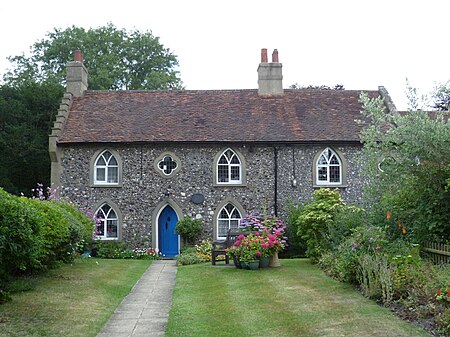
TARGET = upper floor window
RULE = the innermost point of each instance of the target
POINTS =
(328, 168)
(167, 164)
(106, 170)
(229, 168)
(228, 217)
(107, 223)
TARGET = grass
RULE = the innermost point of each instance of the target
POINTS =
(296, 299)
(74, 300)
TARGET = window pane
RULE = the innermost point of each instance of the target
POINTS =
(223, 214)
(235, 160)
(334, 160)
(111, 229)
(335, 175)
(100, 174)
(112, 215)
(113, 161)
(235, 173)
(101, 161)
(106, 155)
(235, 214)
(113, 175)
(101, 228)
(222, 173)
(234, 223)
(223, 160)
(222, 228)
(322, 172)
(322, 160)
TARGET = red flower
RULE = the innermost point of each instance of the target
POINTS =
(439, 292)
(388, 215)
(403, 230)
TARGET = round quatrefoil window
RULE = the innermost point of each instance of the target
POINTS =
(167, 164)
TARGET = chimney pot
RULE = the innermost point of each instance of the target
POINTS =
(78, 56)
(264, 55)
(275, 56)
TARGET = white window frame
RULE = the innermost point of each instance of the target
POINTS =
(104, 222)
(329, 153)
(229, 165)
(228, 219)
(106, 167)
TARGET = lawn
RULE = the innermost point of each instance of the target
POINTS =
(74, 300)
(296, 299)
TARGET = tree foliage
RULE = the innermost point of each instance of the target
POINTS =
(26, 116)
(407, 160)
(115, 58)
(441, 97)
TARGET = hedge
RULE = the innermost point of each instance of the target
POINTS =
(36, 234)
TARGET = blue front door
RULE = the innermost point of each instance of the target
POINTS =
(168, 239)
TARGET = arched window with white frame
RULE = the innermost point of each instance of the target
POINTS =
(229, 168)
(106, 169)
(228, 217)
(328, 168)
(107, 223)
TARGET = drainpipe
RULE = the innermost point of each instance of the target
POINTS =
(275, 192)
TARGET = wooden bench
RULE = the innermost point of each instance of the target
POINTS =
(219, 247)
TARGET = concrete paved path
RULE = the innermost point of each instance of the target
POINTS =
(145, 311)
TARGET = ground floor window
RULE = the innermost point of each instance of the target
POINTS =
(228, 217)
(107, 223)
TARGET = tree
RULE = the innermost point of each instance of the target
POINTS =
(26, 117)
(115, 58)
(441, 97)
(407, 161)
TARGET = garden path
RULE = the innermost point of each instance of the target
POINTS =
(145, 310)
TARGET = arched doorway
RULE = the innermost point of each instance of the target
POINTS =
(168, 238)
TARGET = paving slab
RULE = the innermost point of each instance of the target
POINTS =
(145, 310)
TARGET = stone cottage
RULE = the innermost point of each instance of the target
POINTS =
(142, 160)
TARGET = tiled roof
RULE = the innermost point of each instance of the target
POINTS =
(213, 116)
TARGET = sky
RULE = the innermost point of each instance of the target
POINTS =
(360, 44)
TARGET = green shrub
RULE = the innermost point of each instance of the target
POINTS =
(194, 255)
(109, 249)
(119, 250)
(189, 229)
(190, 258)
(36, 234)
(314, 220)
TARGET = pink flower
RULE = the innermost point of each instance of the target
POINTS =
(264, 246)
(237, 243)
(241, 237)
(258, 253)
(277, 233)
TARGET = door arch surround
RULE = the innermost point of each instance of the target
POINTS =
(156, 219)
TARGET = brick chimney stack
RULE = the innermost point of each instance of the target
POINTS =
(77, 75)
(270, 77)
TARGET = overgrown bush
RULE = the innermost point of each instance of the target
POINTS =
(314, 220)
(36, 234)
(189, 229)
